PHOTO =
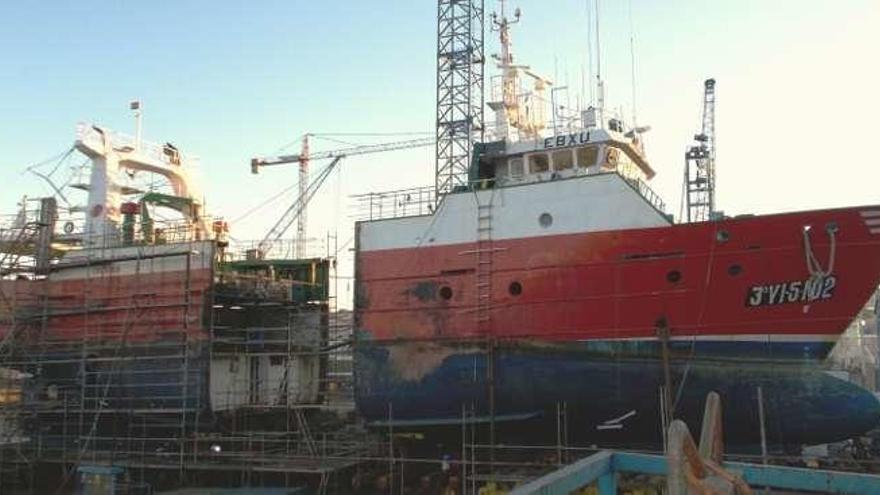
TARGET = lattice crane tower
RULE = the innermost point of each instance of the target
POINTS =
(700, 163)
(460, 66)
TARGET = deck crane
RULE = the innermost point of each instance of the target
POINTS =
(297, 210)
(699, 171)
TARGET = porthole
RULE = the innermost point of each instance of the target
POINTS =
(446, 293)
(734, 270)
(674, 276)
(722, 236)
(545, 220)
(515, 288)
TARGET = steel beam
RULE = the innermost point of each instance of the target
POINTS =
(603, 466)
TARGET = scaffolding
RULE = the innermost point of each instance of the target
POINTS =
(169, 365)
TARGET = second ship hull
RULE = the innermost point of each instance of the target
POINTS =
(579, 317)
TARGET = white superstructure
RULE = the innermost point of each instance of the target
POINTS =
(112, 154)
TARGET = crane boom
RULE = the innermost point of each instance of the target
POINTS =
(256, 163)
(298, 209)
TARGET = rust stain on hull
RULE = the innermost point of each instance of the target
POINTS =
(413, 361)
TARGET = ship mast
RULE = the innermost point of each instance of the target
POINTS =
(509, 75)
(600, 84)
(515, 111)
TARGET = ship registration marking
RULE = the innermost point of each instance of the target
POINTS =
(565, 140)
(792, 292)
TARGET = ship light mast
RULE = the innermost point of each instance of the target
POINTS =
(523, 112)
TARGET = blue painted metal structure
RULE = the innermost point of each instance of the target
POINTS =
(530, 379)
(604, 466)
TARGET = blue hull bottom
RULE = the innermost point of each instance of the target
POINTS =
(126, 379)
(610, 392)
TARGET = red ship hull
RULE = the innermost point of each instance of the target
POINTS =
(132, 295)
(701, 280)
(575, 319)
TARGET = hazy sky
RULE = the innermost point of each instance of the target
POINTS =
(797, 89)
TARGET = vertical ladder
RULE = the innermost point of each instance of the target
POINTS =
(484, 251)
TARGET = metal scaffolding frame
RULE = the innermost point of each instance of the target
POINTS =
(95, 418)
(104, 373)
(460, 68)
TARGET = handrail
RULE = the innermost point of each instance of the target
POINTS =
(413, 201)
(646, 192)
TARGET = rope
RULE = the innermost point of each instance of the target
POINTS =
(813, 264)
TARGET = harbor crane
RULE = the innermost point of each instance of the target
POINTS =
(297, 212)
(699, 171)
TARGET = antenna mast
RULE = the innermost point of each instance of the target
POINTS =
(460, 65)
(700, 163)
(632, 62)
(600, 85)
(302, 219)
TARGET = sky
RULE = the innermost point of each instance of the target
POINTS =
(797, 107)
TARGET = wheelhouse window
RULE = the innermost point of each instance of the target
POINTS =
(516, 167)
(612, 157)
(563, 160)
(538, 162)
(501, 170)
(587, 156)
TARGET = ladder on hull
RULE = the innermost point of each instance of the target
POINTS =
(483, 269)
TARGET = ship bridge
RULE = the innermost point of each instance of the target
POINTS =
(584, 152)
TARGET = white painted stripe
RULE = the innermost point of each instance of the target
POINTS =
(620, 419)
(870, 213)
(739, 338)
(616, 426)
(874, 231)
(872, 222)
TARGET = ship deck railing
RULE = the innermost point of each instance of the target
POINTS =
(409, 202)
(646, 192)
(418, 201)
(603, 467)
(279, 249)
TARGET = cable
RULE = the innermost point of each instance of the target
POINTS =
(632, 59)
(339, 141)
(263, 204)
(404, 133)
(57, 158)
(287, 146)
